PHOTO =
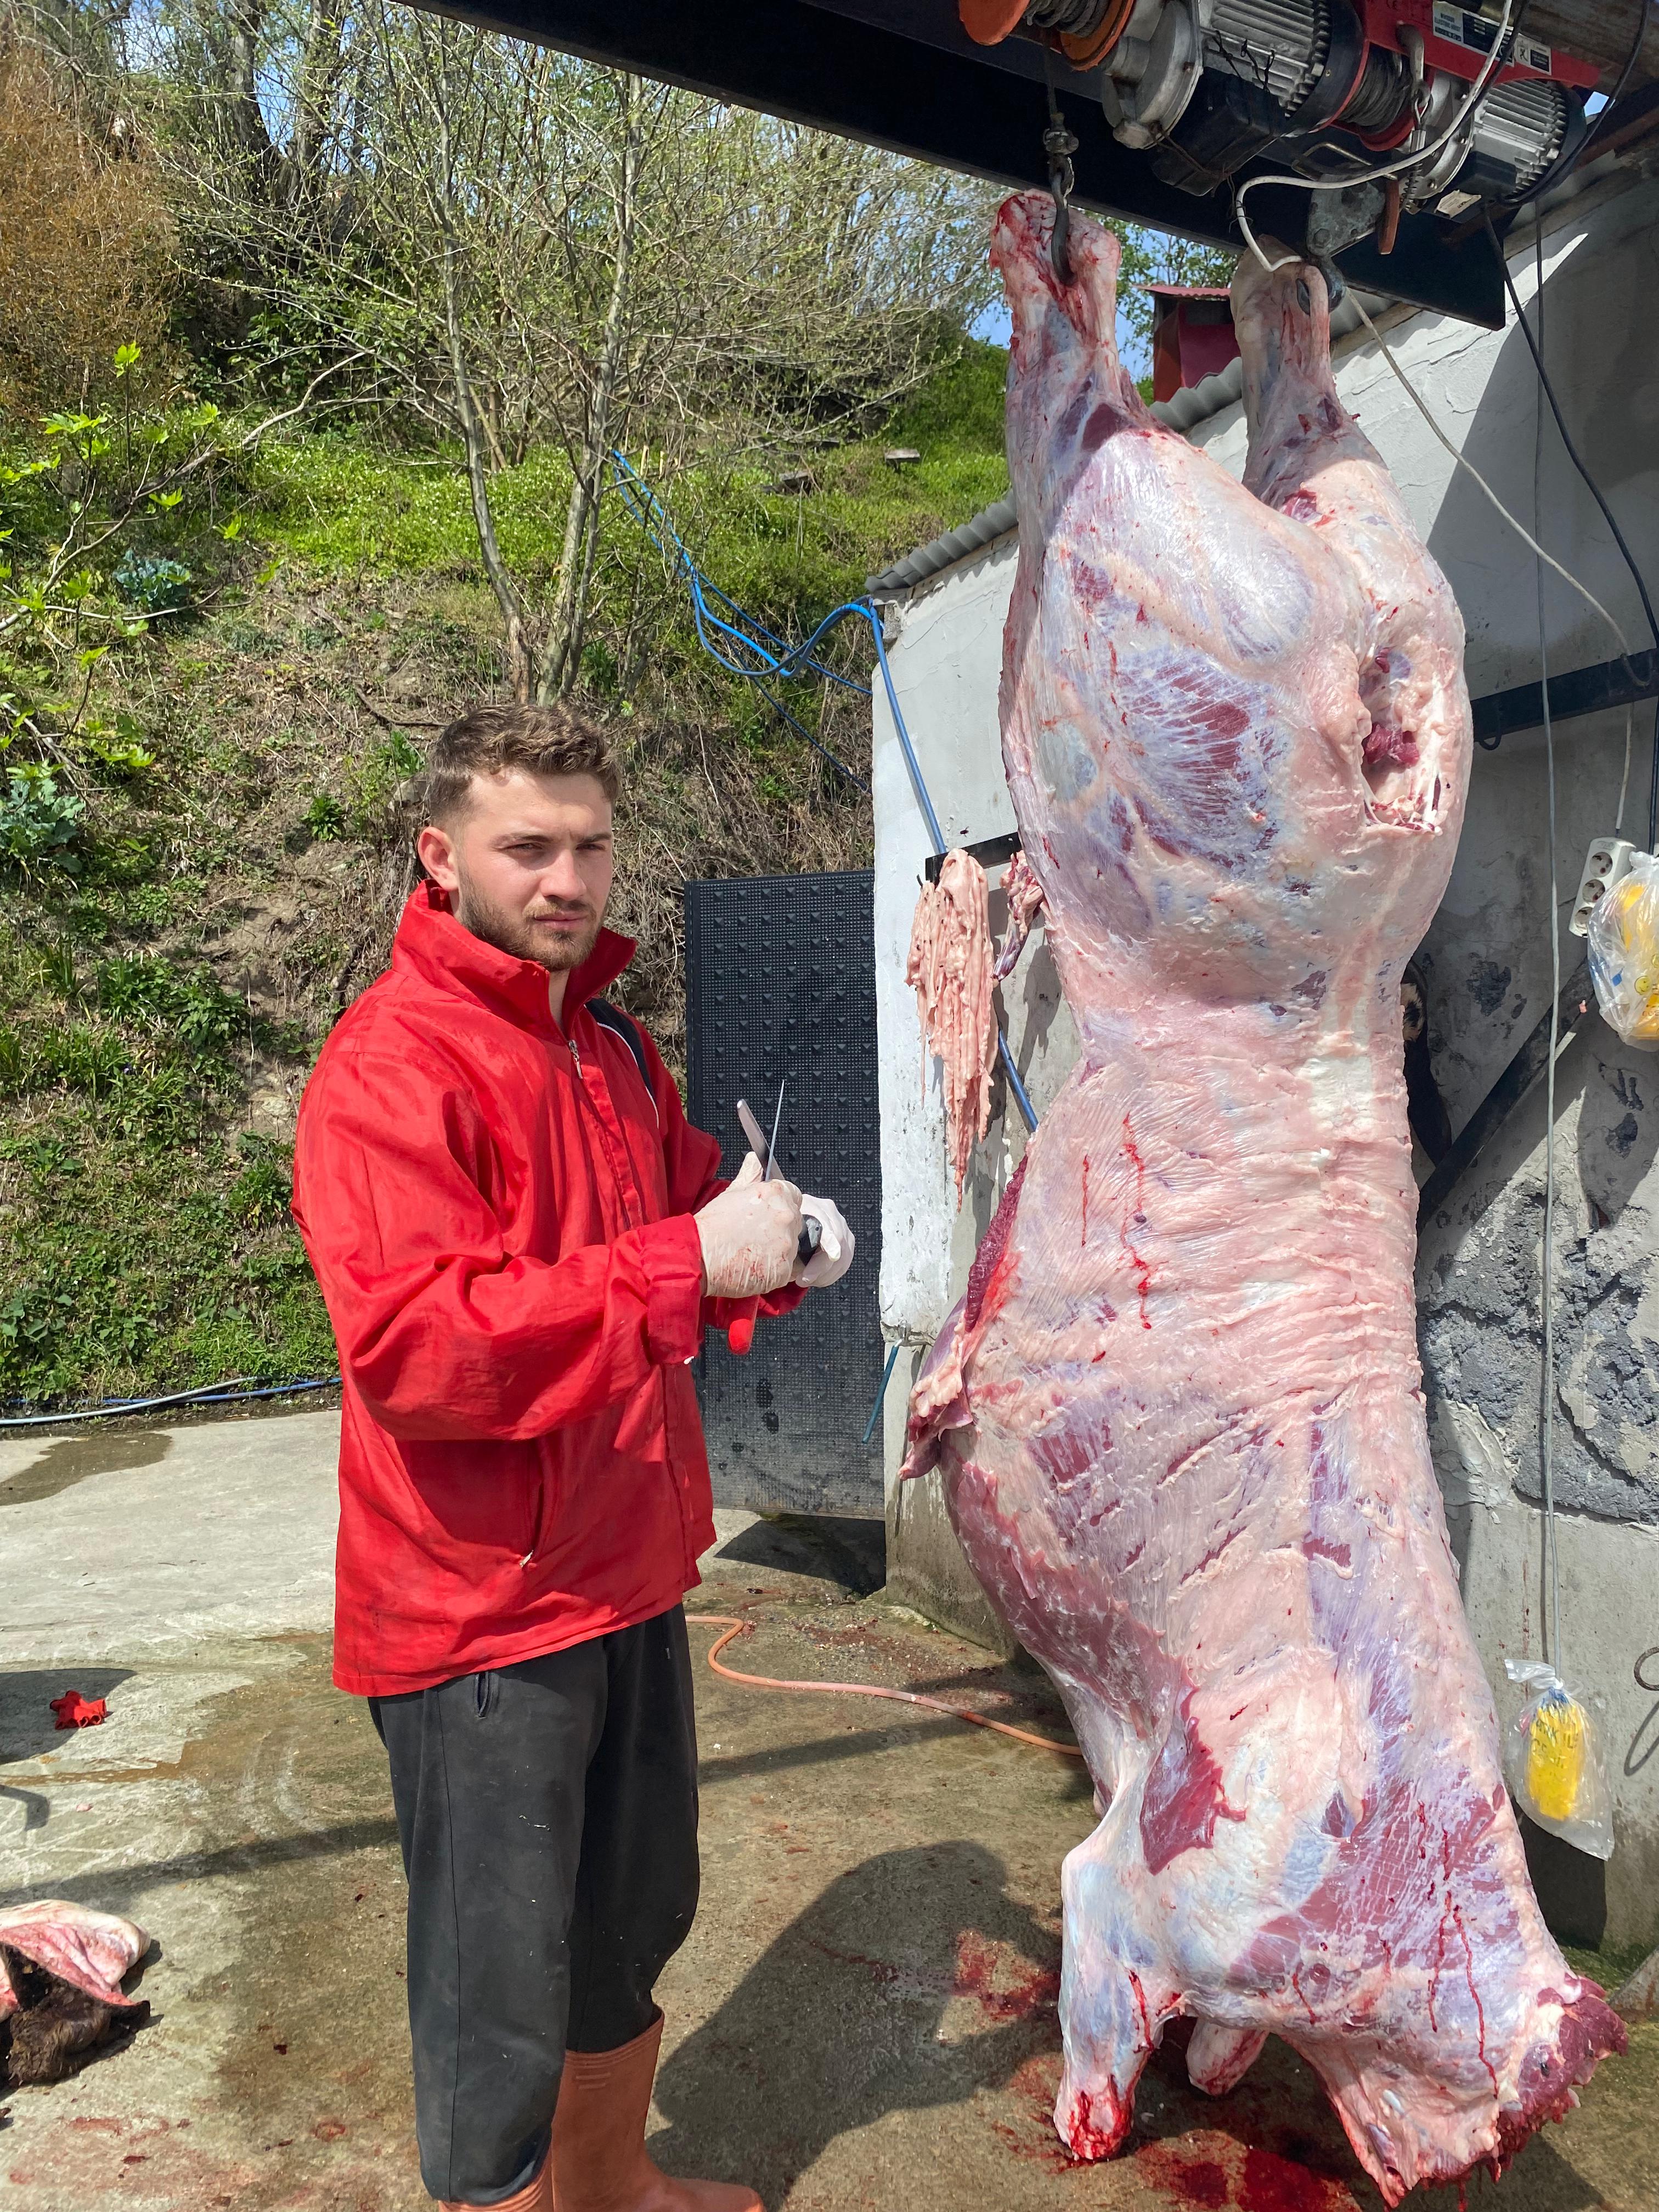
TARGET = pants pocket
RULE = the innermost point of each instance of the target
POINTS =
(486, 1688)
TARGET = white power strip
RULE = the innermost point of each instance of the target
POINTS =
(1609, 860)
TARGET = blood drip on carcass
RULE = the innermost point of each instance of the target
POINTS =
(1178, 1418)
(950, 970)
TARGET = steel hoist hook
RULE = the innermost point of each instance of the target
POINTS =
(1059, 144)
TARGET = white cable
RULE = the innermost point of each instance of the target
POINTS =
(1477, 91)
(1519, 529)
(1421, 405)
(1551, 1539)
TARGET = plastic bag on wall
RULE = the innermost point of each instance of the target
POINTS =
(1624, 953)
(1553, 1762)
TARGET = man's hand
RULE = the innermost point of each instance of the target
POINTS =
(835, 1244)
(751, 1234)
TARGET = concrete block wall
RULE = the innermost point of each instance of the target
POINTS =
(1487, 962)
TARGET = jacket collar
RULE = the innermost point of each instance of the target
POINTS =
(450, 957)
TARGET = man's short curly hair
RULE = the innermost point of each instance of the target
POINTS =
(496, 741)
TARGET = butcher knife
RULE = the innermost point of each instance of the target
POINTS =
(740, 1333)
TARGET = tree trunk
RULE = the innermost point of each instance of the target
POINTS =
(245, 22)
(563, 661)
(320, 72)
(520, 663)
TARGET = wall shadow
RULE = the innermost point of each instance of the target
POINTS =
(28, 1727)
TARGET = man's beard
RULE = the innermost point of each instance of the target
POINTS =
(517, 934)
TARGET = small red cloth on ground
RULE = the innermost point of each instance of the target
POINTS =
(73, 1711)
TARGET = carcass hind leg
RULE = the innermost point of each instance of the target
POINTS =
(1309, 460)
(1115, 1993)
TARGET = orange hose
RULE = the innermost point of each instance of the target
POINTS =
(735, 1628)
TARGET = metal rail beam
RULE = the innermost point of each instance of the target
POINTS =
(1578, 691)
(904, 83)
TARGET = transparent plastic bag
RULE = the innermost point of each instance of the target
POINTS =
(1553, 1762)
(1624, 953)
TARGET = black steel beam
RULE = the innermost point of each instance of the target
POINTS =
(1578, 691)
(990, 853)
(979, 111)
(1506, 1094)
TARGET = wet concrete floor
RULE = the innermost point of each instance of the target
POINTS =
(864, 2016)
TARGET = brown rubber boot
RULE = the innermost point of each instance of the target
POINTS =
(538, 2196)
(599, 2161)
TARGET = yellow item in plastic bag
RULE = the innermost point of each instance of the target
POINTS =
(1552, 1761)
(1622, 941)
(1555, 1755)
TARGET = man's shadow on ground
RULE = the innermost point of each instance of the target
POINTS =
(838, 2022)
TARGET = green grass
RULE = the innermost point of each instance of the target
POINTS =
(145, 1247)
(1610, 1966)
(145, 1242)
(340, 507)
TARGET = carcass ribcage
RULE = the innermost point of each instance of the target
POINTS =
(1178, 1414)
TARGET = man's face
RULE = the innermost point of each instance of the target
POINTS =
(528, 865)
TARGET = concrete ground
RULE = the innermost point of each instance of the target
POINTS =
(864, 2016)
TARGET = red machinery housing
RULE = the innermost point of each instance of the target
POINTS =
(1328, 88)
(1193, 335)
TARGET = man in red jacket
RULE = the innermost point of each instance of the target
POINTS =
(521, 1240)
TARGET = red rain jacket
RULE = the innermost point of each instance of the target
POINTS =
(499, 1217)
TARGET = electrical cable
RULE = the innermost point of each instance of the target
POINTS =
(214, 1394)
(881, 1394)
(1580, 154)
(738, 641)
(913, 766)
(1590, 485)
(1548, 1291)
(1519, 528)
(724, 634)
(734, 1628)
(1465, 115)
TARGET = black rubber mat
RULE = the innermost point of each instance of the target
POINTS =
(780, 983)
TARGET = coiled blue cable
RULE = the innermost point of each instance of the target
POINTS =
(743, 645)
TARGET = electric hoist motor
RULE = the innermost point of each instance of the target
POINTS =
(1324, 88)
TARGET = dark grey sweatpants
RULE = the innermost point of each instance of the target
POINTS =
(547, 1813)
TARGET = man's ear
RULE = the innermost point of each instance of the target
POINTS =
(435, 851)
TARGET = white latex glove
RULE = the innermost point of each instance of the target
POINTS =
(835, 1246)
(750, 1235)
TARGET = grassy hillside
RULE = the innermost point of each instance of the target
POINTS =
(173, 959)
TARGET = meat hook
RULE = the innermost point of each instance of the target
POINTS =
(1059, 144)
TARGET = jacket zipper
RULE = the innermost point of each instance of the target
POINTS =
(627, 1211)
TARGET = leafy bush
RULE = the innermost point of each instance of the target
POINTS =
(189, 1009)
(152, 585)
(82, 503)
(260, 1197)
(326, 817)
(40, 824)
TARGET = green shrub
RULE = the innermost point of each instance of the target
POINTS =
(40, 824)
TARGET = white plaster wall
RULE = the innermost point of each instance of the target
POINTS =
(1486, 957)
(946, 652)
